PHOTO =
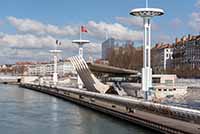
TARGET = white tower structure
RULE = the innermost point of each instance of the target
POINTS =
(55, 53)
(147, 14)
(80, 43)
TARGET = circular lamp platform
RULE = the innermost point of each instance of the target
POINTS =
(80, 41)
(147, 12)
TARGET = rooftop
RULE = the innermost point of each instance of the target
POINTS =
(163, 46)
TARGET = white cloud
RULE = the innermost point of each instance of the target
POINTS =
(29, 41)
(197, 4)
(11, 55)
(36, 27)
(194, 21)
(26, 41)
(115, 30)
(34, 38)
(96, 30)
(135, 21)
(31, 47)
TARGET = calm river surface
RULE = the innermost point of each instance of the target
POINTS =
(24, 111)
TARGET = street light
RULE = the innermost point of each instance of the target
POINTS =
(80, 43)
(55, 53)
(147, 14)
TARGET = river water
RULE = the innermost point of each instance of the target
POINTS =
(24, 111)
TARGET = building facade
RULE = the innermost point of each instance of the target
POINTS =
(113, 43)
(46, 69)
(162, 55)
(186, 52)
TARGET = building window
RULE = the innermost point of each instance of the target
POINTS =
(113, 106)
(81, 97)
(156, 80)
(130, 110)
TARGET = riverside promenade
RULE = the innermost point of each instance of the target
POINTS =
(162, 118)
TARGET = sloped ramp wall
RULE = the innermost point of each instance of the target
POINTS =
(88, 78)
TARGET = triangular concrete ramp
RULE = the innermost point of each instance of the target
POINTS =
(88, 78)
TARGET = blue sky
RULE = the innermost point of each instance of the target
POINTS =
(30, 26)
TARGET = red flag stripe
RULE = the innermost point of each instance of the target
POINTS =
(84, 29)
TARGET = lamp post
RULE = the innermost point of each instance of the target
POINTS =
(80, 44)
(55, 53)
(147, 14)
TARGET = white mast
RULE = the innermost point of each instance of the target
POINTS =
(147, 14)
(55, 53)
(80, 43)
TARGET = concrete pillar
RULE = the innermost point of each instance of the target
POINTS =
(55, 74)
(147, 70)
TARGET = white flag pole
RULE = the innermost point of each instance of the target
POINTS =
(80, 33)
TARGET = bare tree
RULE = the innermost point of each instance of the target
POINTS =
(126, 57)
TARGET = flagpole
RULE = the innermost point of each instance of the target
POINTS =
(147, 3)
(56, 45)
(80, 33)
